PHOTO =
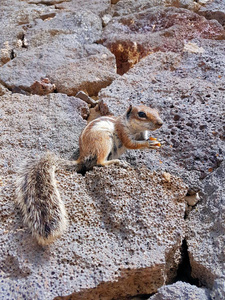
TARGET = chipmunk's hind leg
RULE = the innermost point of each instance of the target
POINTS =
(118, 162)
(107, 158)
(110, 162)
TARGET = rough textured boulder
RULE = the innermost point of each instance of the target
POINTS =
(111, 245)
(126, 7)
(189, 103)
(99, 7)
(16, 18)
(61, 50)
(32, 125)
(214, 10)
(206, 231)
(134, 36)
(181, 290)
(125, 224)
(131, 233)
(85, 26)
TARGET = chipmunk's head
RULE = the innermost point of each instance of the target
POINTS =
(143, 118)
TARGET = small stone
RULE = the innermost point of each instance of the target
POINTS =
(167, 176)
(193, 48)
(106, 19)
(3, 90)
(42, 87)
(83, 96)
(5, 53)
(193, 199)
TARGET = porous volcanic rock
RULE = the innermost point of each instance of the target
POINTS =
(214, 10)
(218, 290)
(15, 18)
(181, 290)
(59, 47)
(127, 7)
(125, 224)
(32, 125)
(99, 7)
(190, 102)
(126, 228)
(132, 37)
(65, 62)
(127, 233)
(85, 26)
(206, 232)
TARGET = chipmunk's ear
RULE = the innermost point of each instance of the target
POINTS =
(129, 111)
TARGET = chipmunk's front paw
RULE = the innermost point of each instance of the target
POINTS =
(153, 143)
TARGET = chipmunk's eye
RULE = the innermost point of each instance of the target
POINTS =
(141, 114)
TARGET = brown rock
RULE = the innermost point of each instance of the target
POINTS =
(83, 96)
(42, 87)
(214, 10)
(133, 36)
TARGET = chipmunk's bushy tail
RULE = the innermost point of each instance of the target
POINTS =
(39, 200)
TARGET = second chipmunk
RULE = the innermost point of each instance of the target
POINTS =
(101, 143)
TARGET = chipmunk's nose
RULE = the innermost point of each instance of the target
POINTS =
(159, 123)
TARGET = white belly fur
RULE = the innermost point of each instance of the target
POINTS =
(104, 125)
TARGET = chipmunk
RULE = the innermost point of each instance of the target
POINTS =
(101, 143)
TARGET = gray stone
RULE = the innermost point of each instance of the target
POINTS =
(99, 7)
(190, 101)
(59, 48)
(46, 2)
(181, 290)
(134, 36)
(15, 18)
(214, 10)
(39, 124)
(218, 290)
(126, 225)
(90, 74)
(114, 240)
(67, 64)
(85, 26)
(206, 233)
(126, 7)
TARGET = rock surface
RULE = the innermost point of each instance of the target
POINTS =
(60, 48)
(130, 232)
(125, 224)
(181, 290)
(99, 7)
(206, 231)
(126, 7)
(214, 10)
(190, 102)
(50, 123)
(137, 35)
(15, 23)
